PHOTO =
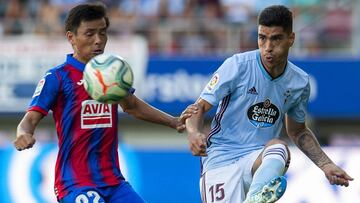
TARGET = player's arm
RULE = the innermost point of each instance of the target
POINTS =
(136, 107)
(306, 141)
(25, 130)
(194, 126)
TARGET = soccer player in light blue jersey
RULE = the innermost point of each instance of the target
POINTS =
(243, 160)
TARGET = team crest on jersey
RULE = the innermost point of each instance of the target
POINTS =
(263, 114)
(95, 115)
(39, 88)
(214, 80)
(287, 94)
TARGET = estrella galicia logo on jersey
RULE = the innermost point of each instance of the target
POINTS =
(263, 114)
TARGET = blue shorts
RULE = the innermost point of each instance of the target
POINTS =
(122, 193)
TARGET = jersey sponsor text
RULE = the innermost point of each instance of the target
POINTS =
(95, 115)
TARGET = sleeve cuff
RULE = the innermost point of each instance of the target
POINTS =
(38, 109)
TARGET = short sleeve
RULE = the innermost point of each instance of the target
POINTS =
(45, 93)
(298, 112)
(222, 83)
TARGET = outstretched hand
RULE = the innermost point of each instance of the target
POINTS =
(336, 175)
(191, 109)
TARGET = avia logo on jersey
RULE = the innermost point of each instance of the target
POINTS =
(263, 114)
(95, 115)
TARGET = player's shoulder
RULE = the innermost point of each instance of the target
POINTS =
(298, 73)
(239, 62)
(54, 71)
(245, 57)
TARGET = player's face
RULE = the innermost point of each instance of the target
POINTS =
(90, 39)
(274, 44)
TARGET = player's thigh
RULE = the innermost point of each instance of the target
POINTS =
(83, 195)
(230, 183)
(222, 185)
(124, 193)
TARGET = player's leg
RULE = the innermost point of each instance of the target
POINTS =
(268, 185)
(221, 185)
(83, 195)
(124, 193)
(227, 184)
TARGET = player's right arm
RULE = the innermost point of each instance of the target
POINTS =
(25, 130)
(194, 126)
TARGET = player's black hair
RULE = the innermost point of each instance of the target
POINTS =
(276, 15)
(85, 12)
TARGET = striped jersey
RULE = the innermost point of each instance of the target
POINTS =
(86, 129)
(251, 106)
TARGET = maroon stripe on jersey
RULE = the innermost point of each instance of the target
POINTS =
(57, 114)
(109, 153)
(79, 154)
(218, 117)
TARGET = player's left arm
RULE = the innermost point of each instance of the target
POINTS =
(138, 108)
(306, 141)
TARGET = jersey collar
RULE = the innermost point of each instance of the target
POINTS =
(265, 73)
(75, 63)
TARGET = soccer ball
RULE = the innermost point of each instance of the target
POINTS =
(107, 78)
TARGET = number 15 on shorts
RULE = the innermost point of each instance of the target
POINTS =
(217, 192)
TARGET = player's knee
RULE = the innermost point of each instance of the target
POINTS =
(277, 149)
(276, 141)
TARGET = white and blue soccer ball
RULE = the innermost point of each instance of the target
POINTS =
(108, 78)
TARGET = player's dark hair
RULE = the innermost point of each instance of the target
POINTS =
(276, 15)
(85, 12)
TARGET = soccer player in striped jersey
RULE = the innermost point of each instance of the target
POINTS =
(243, 158)
(87, 166)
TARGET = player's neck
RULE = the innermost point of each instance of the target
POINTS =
(275, 71)
(77, 57)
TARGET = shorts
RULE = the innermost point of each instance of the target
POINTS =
(122, 193)
(229, 183)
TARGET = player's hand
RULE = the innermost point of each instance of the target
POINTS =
(191, 109)
(336, 175)
(180, 125)
(24, 141)
(197, 144)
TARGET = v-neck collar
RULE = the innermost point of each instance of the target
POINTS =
(264, 71)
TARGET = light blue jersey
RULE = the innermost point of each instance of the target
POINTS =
(251, 106)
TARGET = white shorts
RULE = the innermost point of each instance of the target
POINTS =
(228, 184)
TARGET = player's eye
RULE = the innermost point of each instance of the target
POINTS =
(103, 32)
(261, 37)
(89, 34)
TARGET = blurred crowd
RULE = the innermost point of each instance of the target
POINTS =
(196, 27)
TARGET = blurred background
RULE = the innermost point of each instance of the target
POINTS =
(173, 47)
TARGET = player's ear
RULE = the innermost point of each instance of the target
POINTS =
(70, 37)
(292, 38)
